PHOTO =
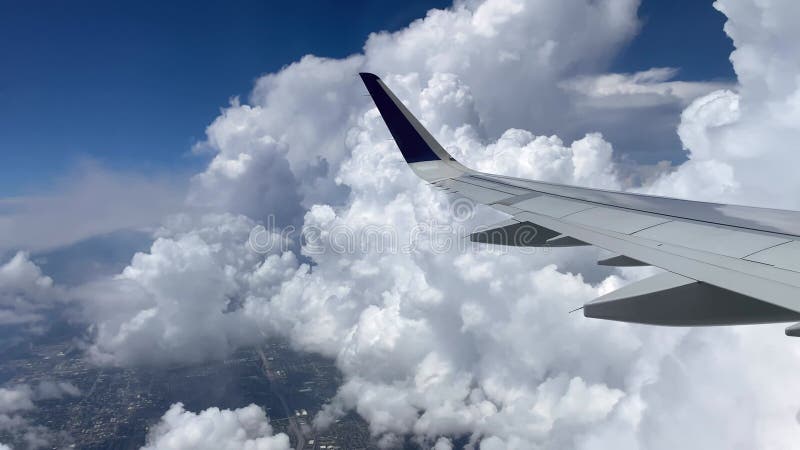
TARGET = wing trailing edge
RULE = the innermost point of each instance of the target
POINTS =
(672, 299)
(621, 261)
(523, 234)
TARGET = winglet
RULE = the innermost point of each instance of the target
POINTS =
(415, 142)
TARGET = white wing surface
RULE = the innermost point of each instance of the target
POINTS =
(725, 264)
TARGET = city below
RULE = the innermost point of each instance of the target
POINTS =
(117, 407)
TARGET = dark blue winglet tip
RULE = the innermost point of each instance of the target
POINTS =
(412, 145)
(368, 76)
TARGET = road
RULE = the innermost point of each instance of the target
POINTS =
(275, 386)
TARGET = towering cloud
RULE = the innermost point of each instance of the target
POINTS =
(25, 293)
(178, 302)
(741, 144)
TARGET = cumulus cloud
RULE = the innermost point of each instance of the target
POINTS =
(434, 339)
(740, 144)
(585, 162)
(25, 293)
(248, 182)
(215, 429)
(178, 302)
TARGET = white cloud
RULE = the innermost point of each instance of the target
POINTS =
(247, 182)
(215, 429)
(741, 146)
(178, 301)
(519, 153)
(25, 293)
(650, 87)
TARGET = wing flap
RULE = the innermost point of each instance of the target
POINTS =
(562, 240)
(514, 233)
(621, 261)
(675, 300)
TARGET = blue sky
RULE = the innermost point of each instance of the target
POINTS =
(133, 84)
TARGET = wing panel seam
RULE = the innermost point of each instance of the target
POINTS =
(710, 222)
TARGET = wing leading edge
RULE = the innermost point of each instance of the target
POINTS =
(725, 264)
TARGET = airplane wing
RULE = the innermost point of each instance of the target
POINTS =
(724, 264)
